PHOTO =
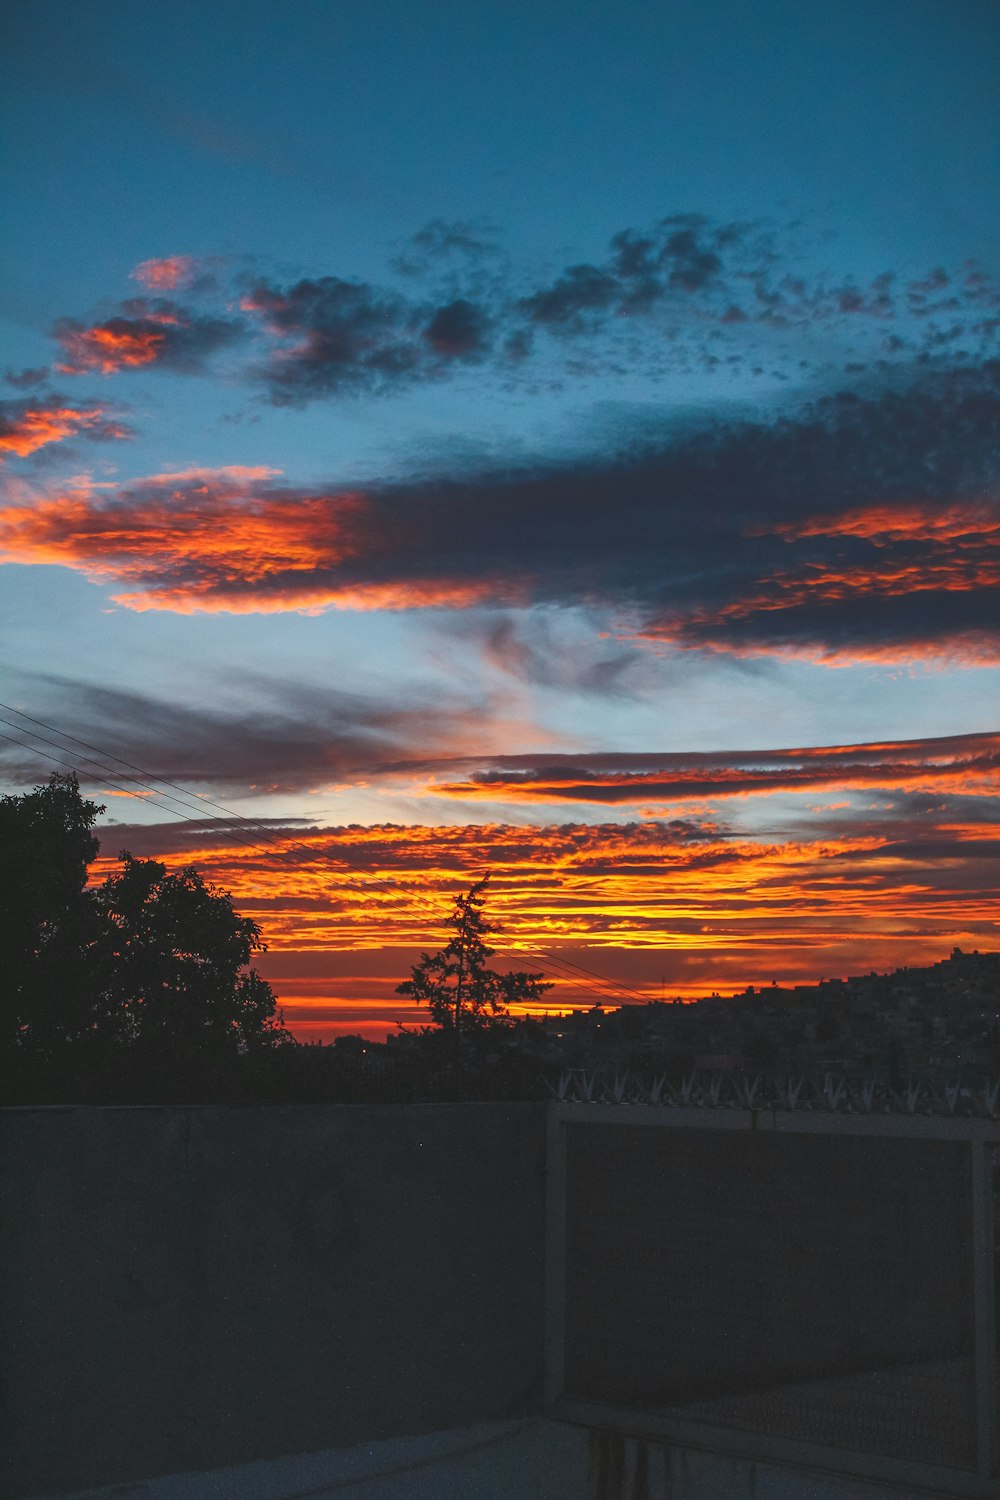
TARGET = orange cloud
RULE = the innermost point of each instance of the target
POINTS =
(107, 347)
(968, 764)
(882, 523)
(145, 332)
(165, 274)
(210, 523)
(920, 575)
(652, 787)
(893, 586)
(29, 425)
(347, 910)
(222, 539)
(819, 585)
(800, 612)
(969, 648)
(795, 604)
(415, 594)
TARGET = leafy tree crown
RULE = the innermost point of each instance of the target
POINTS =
(148, 959)
(463, 995)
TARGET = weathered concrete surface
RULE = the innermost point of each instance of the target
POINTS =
(189, 1288)
(526, 1460)
(702, 1265)
(630, 1468)
(522, 1460)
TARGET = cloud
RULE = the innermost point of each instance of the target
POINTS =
(277, 737)
(459, 330)
(167, 273)
(715, 287)
(956, 764)
(199, 525)
(157, 333)
(644, 902)
(26, 426)
(579, 292)
(533, 647)
(681, 255)
(831, 859)
(445, 242)
(27, 380)
(863, 530)
(685, 294)
(235, 540)
(348, 337)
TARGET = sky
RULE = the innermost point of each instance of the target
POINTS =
(557, 441)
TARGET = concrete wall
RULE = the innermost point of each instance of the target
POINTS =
(189, 1288)
(267, 1303)
(702, 1264)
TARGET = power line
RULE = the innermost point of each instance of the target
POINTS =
(188, 802)
(196, 797)
(106, 771)
(181, 808)
(572, 971)
(192, 802)
(69, 766)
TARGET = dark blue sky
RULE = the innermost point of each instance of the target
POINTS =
(323, 133)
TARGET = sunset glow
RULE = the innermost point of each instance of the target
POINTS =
(640, 908)
(891, 873)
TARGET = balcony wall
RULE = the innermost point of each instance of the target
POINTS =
(192, 1288)
(270, 1303)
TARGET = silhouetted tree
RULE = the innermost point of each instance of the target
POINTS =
(148, 964)
(170, 965)
(465, 998)
(46, 845)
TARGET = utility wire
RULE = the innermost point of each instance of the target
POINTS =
(179, 809)
(107, 772)
(144, 797)
(70, 766)
(193, 802)
(151, 793)
(589, 978)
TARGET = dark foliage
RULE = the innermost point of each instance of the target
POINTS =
(46, 845)
(465, 998)
(107, 989)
